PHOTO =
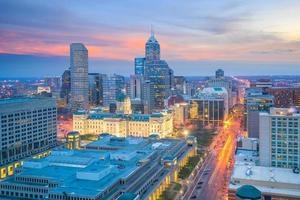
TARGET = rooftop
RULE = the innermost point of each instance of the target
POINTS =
(131, 117)
(266, 179)
(90, 172)
(248, 192)
(20, 100)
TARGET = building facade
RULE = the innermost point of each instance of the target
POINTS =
(279, 134)
(255, 102)
(95, 89)
(28, 127)
(136, 87)
(180, 85)
(109, 168)
(285, 97)
(79, 76)
(272, 183)
(66, 85)
(139, 65)
(220, 81)
(139, 125)
(158, 73)
(113, 89)
(180, 114)
(209, 107)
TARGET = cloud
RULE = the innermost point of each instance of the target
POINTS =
(276, 51)
(194, 30)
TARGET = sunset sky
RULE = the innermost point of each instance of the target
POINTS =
(196, 36)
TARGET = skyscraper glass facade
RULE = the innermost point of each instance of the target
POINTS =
(79, 76)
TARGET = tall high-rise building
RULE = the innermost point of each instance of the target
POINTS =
(148, 96)
(180, 85)
(255, 102)
(158, 73)
(139, 65)
(95, 89)
(219, 73)
(79, 76)
(136, 87)
(279, 138)
(113, 89)
(152, 49)
(28, 127)
(66, 85)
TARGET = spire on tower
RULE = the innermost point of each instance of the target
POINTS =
(152, 31)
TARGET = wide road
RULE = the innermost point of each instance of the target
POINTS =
(212, 178)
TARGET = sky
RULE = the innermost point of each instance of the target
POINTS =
(242, 37)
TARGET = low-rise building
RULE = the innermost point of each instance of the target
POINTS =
(210, 106)
(273, 183)
(110, 168)
(139, 125)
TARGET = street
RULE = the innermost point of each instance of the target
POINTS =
(211, 180)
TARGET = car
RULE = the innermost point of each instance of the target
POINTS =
(199, 187)
(201, 182)
(194, 197)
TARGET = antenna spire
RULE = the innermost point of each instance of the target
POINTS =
(152, 31)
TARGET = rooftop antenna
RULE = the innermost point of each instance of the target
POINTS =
(152, 31)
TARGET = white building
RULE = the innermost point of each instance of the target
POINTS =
(122, 125)
(279, 135)
(41, 89)
(273, 183)
(221, 81)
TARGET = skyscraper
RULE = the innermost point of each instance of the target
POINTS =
(255, 102)
(136, 87)
(139, 65)
(79, 76)
(180, 84)
(95, 89)
(152, 49)
(158, 73)
(113, 89)
(219, 73)
(66, 85)
(148, 96)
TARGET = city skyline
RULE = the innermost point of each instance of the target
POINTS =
(235, 36)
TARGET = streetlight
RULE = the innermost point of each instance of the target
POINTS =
(186, 132)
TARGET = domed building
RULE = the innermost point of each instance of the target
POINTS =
(248, 192)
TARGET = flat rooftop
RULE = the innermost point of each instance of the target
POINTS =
(266, 179)
(90, 172)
